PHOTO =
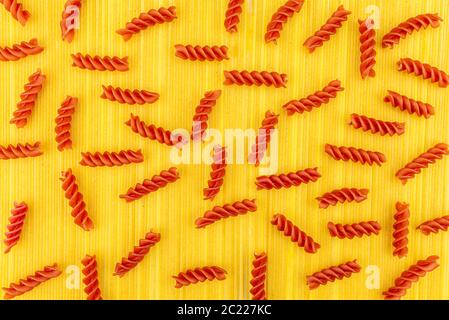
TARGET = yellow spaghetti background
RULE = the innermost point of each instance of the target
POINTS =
(50, 235)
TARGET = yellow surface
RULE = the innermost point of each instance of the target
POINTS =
(50, 234)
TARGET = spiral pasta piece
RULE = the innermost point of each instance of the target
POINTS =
(350, 231)
(422, 161)
(138, 254)
(434, 226)
(146, 20)
(198, 53)
(76, 200)
(403, 103)
(425, 70)
(292, 179)
(355, 155)
(367, 48)
(407, 27)
(377, 126)
(259, 277)
(294, 233)
(15, 226)
(202, 112)
(329, 29)
(126, 96)
(280, 17)
(342, 195)
(20, 51)
(233, 15)
(17, 11)
(90, 280)
(226, 211)
(400, 233)
(196, 275)
(70, 15)
(151, 185)
(20, 151)
(344, 270)
(28, 99)
(111, 159)
(256, 78)
(64, 123)
(217, 173)
(259, 148)
(314, 100)
(409, 276)
(98, 63)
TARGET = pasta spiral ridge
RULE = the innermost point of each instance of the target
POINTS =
(196, 275)
(314, 100)
(127, 96)
(100, 63)
(400, 233)
(292, 179)
(226, 211)
(408, 27)
(64, 123)
(350, 231)
(256, 78)
(138, 254)
(403, 103)
(198, 53)
(259, 277)
(202, 112)
(151, 185)
(344, 270)
(19, 51)
(412, 274)
(68, 20)
(296, 235)
(280, 17)
(111, 159)
(425, 70)
(329, 29)
(20, 151)
(342, 195)
(15, 226)
(435, 225)
(147, 19)
(367, 48)
(76, 200)
(377, 126)
(28, 99)
(263, 138)
(232, 15)
(355, 155)
(17, 11)
(31, 282)
(90, 280)
(217, 174)
(422, 161)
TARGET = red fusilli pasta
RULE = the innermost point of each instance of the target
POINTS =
(138, 254)
(151, 185)
(296, 235)
(422, 161)
(64, 123)
(367, 48)
(111, 159)
(330, 28)
(76, 200)
(435, 225)
(28, 99)
(412, 274)
(232, 15)
(196, 275)
(147, 19)
(280, 17)
(292, 179)
(15, 226)
(400, 233)
(421, 21)
(20, 51)
(20, 151)
(259, 277)
(425, 70)
(314, 100)
(92, 287)
(202, 112)
(255, 78)
(100, 63)
(333, 273)
(226, 211)
(377, 126)
(198, 53)
(350, 231)
(217, 174)
(17, 11)
(126, 96)
(403, 103)
(355, 155)
(259, 148)
(70, 18)
(342, 195)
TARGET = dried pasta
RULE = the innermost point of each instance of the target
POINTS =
(280, 17)
(64, 123)
(98, 63)
(367, 48)
(344, 270)
(15, 226)
(377, 126)
(20, 51)
(355, 155)
(255, 78)
(17, 11)
(198, 53)
(400, 233)
(434, 226)
(217, 173)
(131, 97)
(341, 196)
(259, 277)
(425, 70)
(196, 275)
(292, 179)
(226, 211)
(349, 231)
(20, 151)
(202, 112)
(403, 103)
(263, 138)
(233, 13)
(111, 159)
(70, 15)
(90, 280)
